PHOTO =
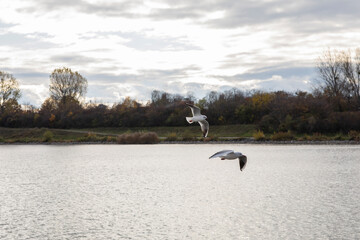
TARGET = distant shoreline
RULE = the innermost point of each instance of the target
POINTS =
(246, 141)
(230, 134)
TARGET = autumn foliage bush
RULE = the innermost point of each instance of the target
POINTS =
(259, 135)
(138, 138)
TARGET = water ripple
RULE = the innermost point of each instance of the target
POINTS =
(176, 192)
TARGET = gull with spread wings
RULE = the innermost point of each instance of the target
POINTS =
(231, 155)
(198, 117)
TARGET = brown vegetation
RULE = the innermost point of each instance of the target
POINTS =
(138, 138)
(282, 136)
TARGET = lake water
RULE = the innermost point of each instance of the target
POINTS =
(176, 192)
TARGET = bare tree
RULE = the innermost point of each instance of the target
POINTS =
(329, 69)
(9, 91)
(67, 85)
(350, 68)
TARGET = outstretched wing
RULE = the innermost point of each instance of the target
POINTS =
(242, 162)
(222, 153)
(194, 109)
(204, 127)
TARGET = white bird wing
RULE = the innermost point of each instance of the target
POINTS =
(242, 162)
(204, 127)
(222, 153)
(194, 109)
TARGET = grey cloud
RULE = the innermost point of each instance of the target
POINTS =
(190, 12)
(28, 76)
(32, 75)
(5, 25)
(122, 9)
(276, 77)
(307, 17)
(77, 59)
(142, 42)
(304, 16)
(111, 78)
(145, 76)
(249, 59)
(108, 87)
(267, 72)
(237, 13)
(169, 74)
(23, 41)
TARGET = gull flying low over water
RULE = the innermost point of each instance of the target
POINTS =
(231, 155)
(198, 117)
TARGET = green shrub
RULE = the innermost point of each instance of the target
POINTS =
(339, 137)
(91, 137)
(282, 136)
(259, 135)
(47, 136)
(2, 139)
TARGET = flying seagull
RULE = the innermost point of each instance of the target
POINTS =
(231, 155)
(198, 117)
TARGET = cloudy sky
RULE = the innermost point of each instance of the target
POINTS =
(131, 47)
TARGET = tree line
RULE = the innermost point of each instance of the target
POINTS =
(332, 106)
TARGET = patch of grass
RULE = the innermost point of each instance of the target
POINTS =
(11, 135)
(339, 137)
(92, 137)
(188, 136)
(172, 137)
(236, 130)
(282, 136)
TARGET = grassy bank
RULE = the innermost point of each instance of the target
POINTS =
(156, 134)
(185, 133)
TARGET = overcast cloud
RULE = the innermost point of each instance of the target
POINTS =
(131, 47)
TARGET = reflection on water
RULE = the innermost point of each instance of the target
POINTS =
(176, 192)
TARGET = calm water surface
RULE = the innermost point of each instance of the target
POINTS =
(176, 192)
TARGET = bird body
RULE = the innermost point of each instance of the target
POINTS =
(231, 155)
(198, 117)
(195, 119)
